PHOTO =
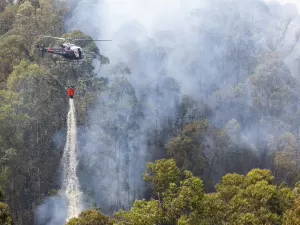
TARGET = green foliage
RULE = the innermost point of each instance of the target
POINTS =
(161, 173)
(24, 76)
(7, 18)
(254, 198)
(292, 215)
(215, 210)
(182, 149)
(91, 217)
(188, 203)
(196, 129)
(142, 213)
(272, 84)
(13, 50)
(257, 175)
(239, 199)
(188, 149)
(5, 216)
(178, 201)
(284, 151)
(33, 101)
(204, 150)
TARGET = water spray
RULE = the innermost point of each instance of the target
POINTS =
(71, 188)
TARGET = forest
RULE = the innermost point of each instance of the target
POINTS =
(169, 133)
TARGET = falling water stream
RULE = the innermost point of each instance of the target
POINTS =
(69, 163)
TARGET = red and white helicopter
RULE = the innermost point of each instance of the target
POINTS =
(67, 50)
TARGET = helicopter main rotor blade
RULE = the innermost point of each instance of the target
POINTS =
(74, 39)
(43, 36)
(89, 40)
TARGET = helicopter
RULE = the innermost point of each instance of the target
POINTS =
(67, 50)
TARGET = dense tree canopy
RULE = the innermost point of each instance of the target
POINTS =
(253, 198)
(5, 214)
(32, 91)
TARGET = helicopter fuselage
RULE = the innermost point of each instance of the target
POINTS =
(71, 52)
(67, 50)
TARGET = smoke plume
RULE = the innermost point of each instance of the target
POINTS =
(162, 54)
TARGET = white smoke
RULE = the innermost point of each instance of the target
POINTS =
(173, 48)
(53, 211)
